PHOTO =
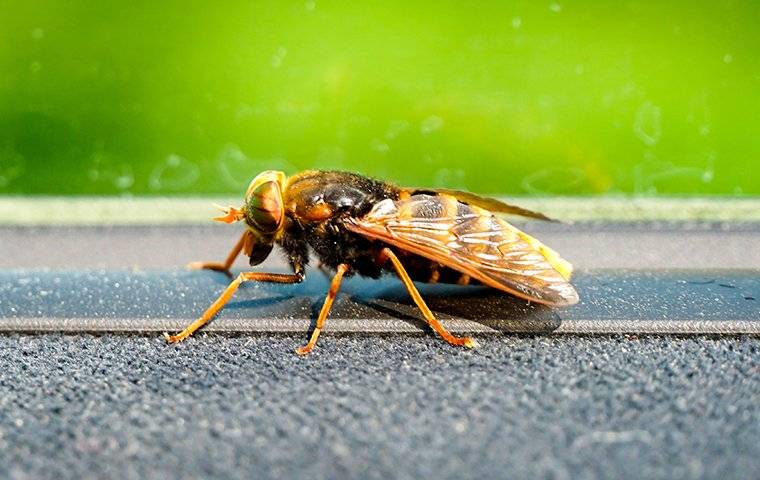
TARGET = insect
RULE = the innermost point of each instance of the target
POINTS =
(360, 226)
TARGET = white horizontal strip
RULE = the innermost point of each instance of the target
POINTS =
(193, 210)
(342, 325)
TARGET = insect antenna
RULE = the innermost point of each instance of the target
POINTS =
(231, 214)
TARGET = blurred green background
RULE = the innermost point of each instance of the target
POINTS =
(582, 97)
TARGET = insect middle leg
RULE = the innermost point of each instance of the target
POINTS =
(223, 267)
(387, 254)
(220, 302)
(331, 293)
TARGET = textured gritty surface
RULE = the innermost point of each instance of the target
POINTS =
(377, 407)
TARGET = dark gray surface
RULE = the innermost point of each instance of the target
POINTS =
(611, 301)
(588, 245)
(379, 407)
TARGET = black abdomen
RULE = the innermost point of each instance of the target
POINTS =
(423, 270)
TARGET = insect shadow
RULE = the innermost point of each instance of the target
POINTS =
(488, 307)
(388, 299)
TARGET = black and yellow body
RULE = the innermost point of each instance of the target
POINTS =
(317, 206)
(355, 225)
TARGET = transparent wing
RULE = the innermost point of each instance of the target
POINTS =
(473, 241)
(491, 204)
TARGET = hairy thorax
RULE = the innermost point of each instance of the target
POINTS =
(316, 205)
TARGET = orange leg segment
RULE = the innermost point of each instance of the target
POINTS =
(334, 287)
(218, 266)
(227, 294)
(387, 254)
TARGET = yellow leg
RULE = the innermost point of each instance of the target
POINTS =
(334, 287)
(227, 294)
(218, 266)
(387, 254)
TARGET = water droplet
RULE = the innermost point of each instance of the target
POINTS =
(38, 33)
(395, 128)
(708, 174)
(243, 111)
(380, 146)
(35, 67)
(545, 102)
(431, 124)
(555, 180)
(516, 22)
(125, 179)
(105, 169)
(234, 166)
(310, 5)
(279, 57)
(175, 173)
(728, 58)
(237, 169)
(683, 174)
(648, 123)
(579, 69)
(704, 130)
(477, 43)
(449, 178)
(555, 7)
(12, 165)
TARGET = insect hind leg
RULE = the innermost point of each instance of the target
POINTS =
(387, 254)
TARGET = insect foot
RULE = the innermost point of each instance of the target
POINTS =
(303, 351)
(470, 342)
(217, 267)
(173, 338)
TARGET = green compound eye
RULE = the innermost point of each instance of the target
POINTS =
(263, 207)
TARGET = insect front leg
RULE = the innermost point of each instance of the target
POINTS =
(387, 254)
(220, 302)
(223, 267)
